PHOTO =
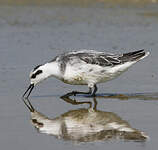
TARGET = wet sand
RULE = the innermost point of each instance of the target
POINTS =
(31, 35)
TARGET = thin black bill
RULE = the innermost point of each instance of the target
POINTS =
(28, 104)
(29, 90)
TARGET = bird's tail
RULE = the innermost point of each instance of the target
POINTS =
(134, 56)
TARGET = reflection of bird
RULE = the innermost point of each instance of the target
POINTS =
(85, 67)
(85, 125)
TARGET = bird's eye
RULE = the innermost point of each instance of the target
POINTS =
(36, 73)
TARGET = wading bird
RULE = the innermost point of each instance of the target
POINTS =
(84, 67)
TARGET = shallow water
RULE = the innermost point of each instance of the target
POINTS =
(31, 35)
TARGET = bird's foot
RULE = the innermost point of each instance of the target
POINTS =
(90, 95)
(74, 93)
(93, 95)
(86, 94)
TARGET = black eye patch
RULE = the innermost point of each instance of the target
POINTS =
(35, 74)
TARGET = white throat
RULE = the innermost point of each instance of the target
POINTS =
(52, 69)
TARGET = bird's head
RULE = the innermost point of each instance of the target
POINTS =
(42, 72)
(37, 75)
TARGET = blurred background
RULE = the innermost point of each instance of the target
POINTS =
(82, 2)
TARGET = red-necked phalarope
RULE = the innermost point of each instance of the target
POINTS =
(85, 67)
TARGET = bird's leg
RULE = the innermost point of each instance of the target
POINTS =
(95, 103)
(74, 102)
(87, 93)
(95, 90)
(74, 93)
(78, 92)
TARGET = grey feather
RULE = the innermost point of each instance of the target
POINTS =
(97, 58)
